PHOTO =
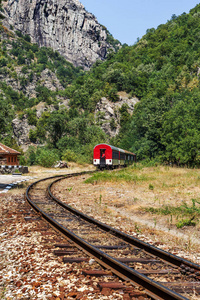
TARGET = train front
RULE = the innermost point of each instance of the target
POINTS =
(102, 156)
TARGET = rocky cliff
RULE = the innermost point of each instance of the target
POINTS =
(106, 115)
(63, 25)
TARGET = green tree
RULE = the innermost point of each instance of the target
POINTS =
(33, 135)
(46, 158)
(43, 94)
(42, 56)
(31, 116)
(56, 126)
(21, 59)
(6, 116)
(181, 133)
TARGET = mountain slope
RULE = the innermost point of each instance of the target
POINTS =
(36, 104)
(162, 70)
(63, 25)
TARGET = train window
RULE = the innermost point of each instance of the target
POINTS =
(122, 155)
(115, 155)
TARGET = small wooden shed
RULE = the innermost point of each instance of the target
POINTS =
(8, 156)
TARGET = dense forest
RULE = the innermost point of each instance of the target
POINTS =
(162, 70)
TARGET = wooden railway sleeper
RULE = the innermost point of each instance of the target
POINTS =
(154, 289)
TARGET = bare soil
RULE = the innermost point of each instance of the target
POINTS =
(28, 269)
(121, 205)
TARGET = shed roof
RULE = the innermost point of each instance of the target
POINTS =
(6, 150)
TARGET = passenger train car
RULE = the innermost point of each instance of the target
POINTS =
(109, 157)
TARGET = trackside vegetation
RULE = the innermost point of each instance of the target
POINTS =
(189, 214)
(119, 176)
(164, 194)
(162, 70)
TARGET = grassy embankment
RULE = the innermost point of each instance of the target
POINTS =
(159, 193)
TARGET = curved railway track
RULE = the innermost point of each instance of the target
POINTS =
(162, 275)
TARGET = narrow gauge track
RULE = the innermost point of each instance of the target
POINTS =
(131, 259)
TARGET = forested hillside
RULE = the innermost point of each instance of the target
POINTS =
(32, 76)
(162, 70)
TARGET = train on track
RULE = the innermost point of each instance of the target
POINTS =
(110, 157)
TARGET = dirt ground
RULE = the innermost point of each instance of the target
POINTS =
(28, 270)
(121, 204)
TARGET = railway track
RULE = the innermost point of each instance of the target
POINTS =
(160, 274)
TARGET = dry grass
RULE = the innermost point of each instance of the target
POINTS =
(158, 186)
(123, 203)
(44, 172)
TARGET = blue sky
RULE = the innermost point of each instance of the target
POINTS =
(129, 19)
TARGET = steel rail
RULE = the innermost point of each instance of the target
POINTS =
(164, 255)
(154, 289)
(55, 176)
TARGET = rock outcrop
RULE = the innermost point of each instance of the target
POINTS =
(47, 79)
(63, 25)
(21, 127)
(21, 130)
(107, 113)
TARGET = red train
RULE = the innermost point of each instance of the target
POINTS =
(109, 157)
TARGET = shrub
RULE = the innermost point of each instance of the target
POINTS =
(31, 115)
(3, 62)
(185, 222)
(151, 187)
(46, 158)
(113, 124)
(21, 59)
(22, 160)
(69, 155)
(24, 69)
(31, 156)
(33, 135)
(18, 33)
(27, 38)
(112, 95)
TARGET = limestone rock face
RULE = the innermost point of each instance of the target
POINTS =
(47, 79)
(21, 127)
(107, 113)
(63, 25)
(21, 130)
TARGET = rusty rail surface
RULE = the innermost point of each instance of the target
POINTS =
(166, 256)
(154, 289)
